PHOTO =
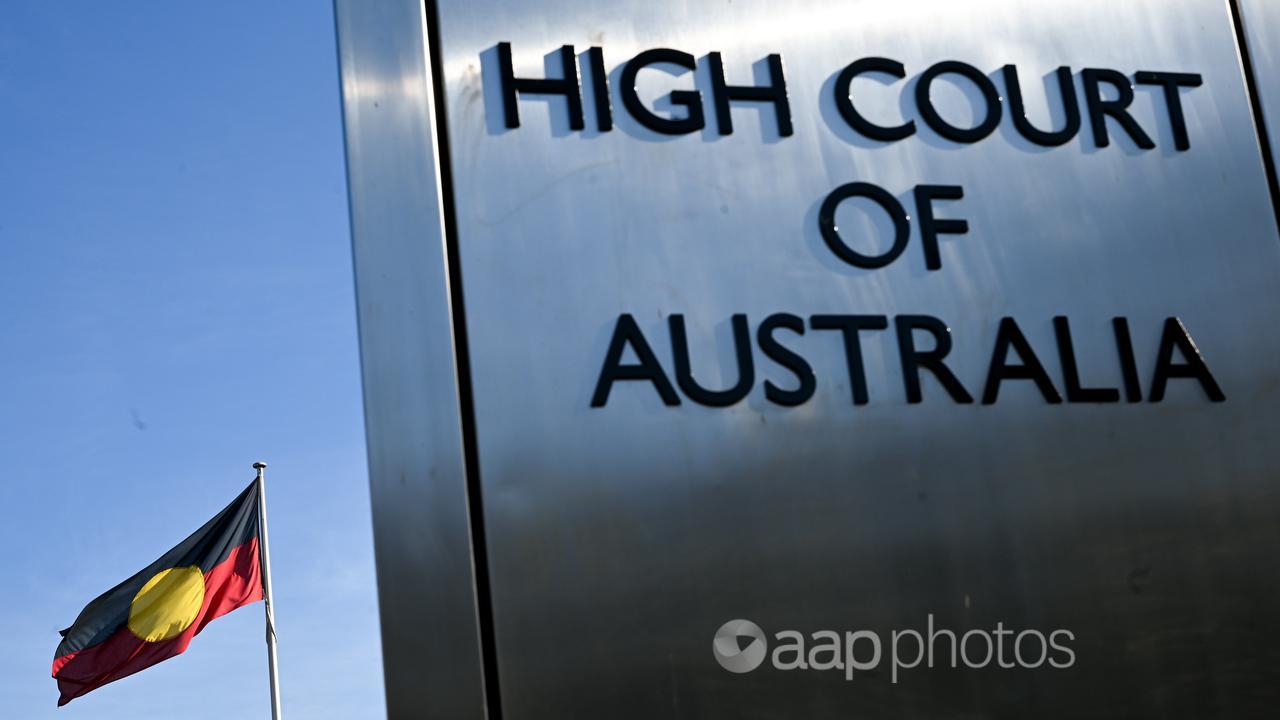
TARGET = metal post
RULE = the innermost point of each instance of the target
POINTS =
(265, 561)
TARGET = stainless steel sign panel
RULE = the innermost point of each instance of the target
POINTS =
(623, 536)
(430, 637)
(639, 552)
(1262, 29)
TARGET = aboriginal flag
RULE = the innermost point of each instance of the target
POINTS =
(153, 615)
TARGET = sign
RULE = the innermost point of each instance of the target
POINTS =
(818, 359)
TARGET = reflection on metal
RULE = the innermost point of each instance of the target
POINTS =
(632, 524)
(426, 592)
(1260, 48)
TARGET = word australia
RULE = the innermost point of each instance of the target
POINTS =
(923, 345)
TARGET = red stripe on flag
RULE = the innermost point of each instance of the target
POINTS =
(232, 583)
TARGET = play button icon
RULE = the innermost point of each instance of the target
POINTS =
(739, 646)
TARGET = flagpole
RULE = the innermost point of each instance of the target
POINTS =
(265, 561)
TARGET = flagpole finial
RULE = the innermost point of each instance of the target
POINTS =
(259, 465)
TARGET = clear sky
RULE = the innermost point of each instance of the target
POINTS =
(175, 278)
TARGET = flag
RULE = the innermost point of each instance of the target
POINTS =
(153, 615)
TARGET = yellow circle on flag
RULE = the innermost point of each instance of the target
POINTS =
(167, 604)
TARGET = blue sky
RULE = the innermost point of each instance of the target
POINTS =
(175, 279)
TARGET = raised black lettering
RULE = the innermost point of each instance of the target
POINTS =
(931, 227)
(849, 326)
(1169, 82)
(831, 233)
(1099, 109)
(1076, 393)
(684, 373)
(775, 92)
(627, 332)
(600, 89)
(1018, 109)
(775, 351)
(844, 102)
(1128, 364)
(1176, 336)
(990, 99)
(1008, 336)
(913, 360)
(691, 100)
(566, 85)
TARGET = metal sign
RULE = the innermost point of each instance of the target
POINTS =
(1258, 27)
(816, 358)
